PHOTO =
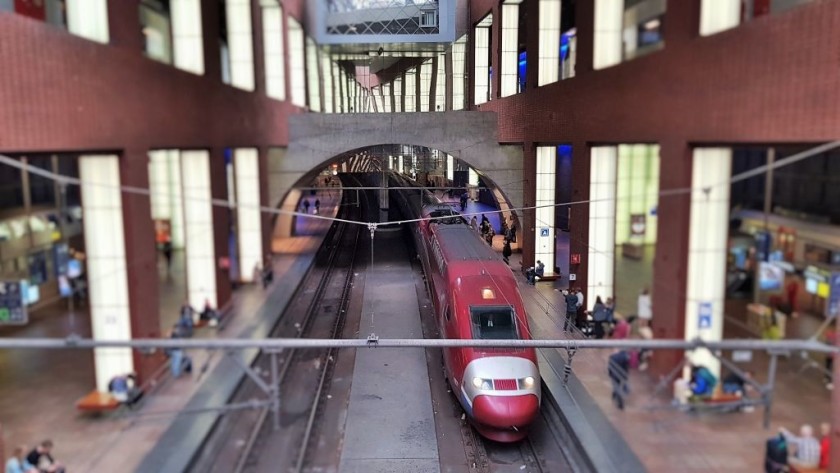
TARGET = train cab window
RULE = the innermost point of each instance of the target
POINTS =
(438, 214)
(493, 323)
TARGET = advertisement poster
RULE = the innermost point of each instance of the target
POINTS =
(771, 277)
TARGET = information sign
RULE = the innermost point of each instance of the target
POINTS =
(704, 315)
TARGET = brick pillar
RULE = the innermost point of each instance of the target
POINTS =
(496, 51)
(259, 55)
(222, 224)
(210, 29)
(579, 214)
(532, 44)
(670, 273)
(265, 201)
(141, 257)
(124, 24)
(682, 22)
(585, 24)
(529, 197)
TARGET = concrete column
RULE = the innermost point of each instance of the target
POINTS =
(669, 300)
(107, 272)
(142, 255)
(124, 24)
(707, 248)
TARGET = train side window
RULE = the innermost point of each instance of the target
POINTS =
(447, 313)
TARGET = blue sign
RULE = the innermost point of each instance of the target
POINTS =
(12, 304)
(704, 315)
(544, 231)
(763, 244)
(833, 306)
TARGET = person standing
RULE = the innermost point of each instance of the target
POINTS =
(600, 316)
(474, 223)
(825, 445)
(618, 369)
(581, 309)
(644, 308)
(571, 309)
(317, 206)
(167, 252)
(807, 447)
(306, 205)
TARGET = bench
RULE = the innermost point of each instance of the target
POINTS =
(97, 402)
(794, 469)
(554, 277)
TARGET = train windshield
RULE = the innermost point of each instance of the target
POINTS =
(438, 216)
(493, 323)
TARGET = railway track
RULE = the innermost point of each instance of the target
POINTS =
(240, 442)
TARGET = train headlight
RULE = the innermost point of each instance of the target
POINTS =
(527, 383)
(481, 383)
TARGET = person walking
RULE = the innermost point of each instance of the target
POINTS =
(317, 206)
(167, 253)
(306, 205)
(600, 315)
(506, 252)
(474, 223)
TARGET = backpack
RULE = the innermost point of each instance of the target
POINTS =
(776, 456)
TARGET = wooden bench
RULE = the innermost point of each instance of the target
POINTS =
(97, 402)
(794, 469)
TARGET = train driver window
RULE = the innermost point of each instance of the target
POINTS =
(493, 323)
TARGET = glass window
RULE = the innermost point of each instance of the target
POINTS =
(155, 24)
(493, 323)
(642, 27)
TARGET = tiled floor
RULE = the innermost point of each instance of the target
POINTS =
(39, 388)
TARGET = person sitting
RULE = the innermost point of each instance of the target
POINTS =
(807, 453)
(186, 323)
(178, 360)
(125, 390)
(18, 463)
(734, 383)
(535, 272)
(210, 314)
(702, 381)
(41, 458)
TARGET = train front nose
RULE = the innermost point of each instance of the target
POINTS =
(506, 412)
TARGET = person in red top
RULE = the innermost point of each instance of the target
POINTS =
(825, 444)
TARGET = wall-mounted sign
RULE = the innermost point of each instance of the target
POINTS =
(704, 315)
(572, 277)
(771, 277)
(12, 303)
(575, 259)
(544, 231)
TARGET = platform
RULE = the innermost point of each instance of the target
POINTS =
(662, 437)
(390, 423)
(31, 409)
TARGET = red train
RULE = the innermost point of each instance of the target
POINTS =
(475, 295)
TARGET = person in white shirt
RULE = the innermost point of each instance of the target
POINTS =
(644, 308)
(807, 453)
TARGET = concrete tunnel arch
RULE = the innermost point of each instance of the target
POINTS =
(319, 140)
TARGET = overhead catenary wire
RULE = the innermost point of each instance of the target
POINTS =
(12, 162)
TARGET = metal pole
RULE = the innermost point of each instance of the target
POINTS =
(275, 391)
(768, 391)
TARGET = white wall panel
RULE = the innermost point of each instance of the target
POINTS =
(544, 247)
(707, 249)
(198, 226)
(549, 18)
(609, 20)
(241, 43)
(459, 73)
(275, 55)
(297, 64)
(602, 188)
(313, 75)
(510, 48)
(719, 15)
(248, 217)
(187, 35)
(106, 264)
(88, 19)
(481, 79)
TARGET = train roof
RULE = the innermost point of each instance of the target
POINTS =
(461, 243)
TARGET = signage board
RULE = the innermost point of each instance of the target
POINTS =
(544, 231)
(575, 259)
(704, 315)
(12, 303)
(771, 277)
(572, 277)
